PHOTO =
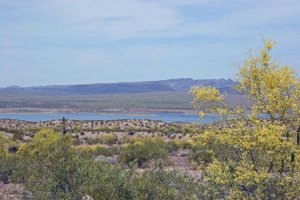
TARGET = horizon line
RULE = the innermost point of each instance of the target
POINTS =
(79, 84)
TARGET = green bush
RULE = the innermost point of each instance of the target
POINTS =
(17, 136)
(7, 160)
(144, 150)
(100, 150)
(161, 185)
(174, 145)
(7, 167)
(105, 138)
(108, 182)
(129, 139)
(108, 138)
(52, 168)
(201, 156)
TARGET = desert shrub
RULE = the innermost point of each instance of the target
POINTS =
(174, 145)
(4, 143)
(92, 141)
(131, 129)
(160, 184)
(7, 160)
(170, 129)
(129, 140)
(92, 151)
(188, 129)
(108, 138)
(17, 136)
(200, 157)
(105, 138)
(7, 167)
(144, 150)
(109, 182)
(100, 150)
(76, 140)
(52, 168)
(76, 129)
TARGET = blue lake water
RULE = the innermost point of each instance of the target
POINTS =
(166, 117)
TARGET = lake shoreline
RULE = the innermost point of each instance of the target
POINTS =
(165, 117)
(109, 111)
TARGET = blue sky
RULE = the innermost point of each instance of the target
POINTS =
(86, 41)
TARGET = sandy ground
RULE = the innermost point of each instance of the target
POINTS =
(11, 191)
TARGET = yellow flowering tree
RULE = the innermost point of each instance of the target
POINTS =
(272, 87)
(252, 158)
(210, 100)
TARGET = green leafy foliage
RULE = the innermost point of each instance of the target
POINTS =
(144, 150)
(108, 182)
(52, 168)
(162, 185)
(7, 160)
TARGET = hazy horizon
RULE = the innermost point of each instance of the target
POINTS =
(67, 42)
(113, 82)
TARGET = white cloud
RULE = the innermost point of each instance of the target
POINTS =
(118, 19)
(121, 19)
(49, 35)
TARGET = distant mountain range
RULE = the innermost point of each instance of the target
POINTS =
(172, 85)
